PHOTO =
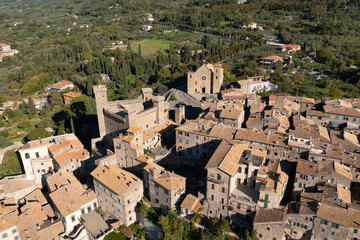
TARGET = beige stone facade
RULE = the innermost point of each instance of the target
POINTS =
(163, 187)
(207, 79)
(118, 192)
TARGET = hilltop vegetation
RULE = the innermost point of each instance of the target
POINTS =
(75, 40)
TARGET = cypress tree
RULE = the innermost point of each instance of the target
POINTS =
(140, 54)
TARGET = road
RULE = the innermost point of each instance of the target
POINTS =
(186, 98)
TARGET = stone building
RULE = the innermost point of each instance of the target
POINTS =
(207, 79)
(118, 192)
(336, 221)
(231, 180)
(129, 147)
(273, 179)
(269, 224)
(301, 215)
(37, 219)
(117, 116)
(43, 156)
(163, 187)
(9, 217)
(232, 117)
(198, 139)
(70, 200)
(306, 177)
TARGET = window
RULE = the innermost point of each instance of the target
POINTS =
(212, 186)
(260, 235)
(354, 119)
(332, 233)
(212, 197)
(89, 209)
(95, 205)
(265, 205)
(268, 228)
(328, 116)
(180, 140)
(322, 230)
(14, 231)
(4, 235)
(73, 218)
(187, 142)
(16, 237)
(218, 177)
(355, 231)
(246, 170)
(82, 211)
(336, 117)
(266, 196)
(223, 190)
(37, 155)
(222, 201)
(239, 170)
(27, 156)
(238, 181)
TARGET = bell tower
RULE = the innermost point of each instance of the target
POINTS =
(100, 92)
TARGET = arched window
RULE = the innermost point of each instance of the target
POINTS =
(27, 155)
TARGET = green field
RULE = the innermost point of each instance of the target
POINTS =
(149, 46)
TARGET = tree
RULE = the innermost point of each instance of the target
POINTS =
(251, 235)
(89, 87)
(163, 75)
(31, 106)
(140, 50)
(115, 236)
(55, 98)
(37, 133)
(4, 142)
(10, 164)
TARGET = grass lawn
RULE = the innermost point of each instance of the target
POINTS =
(149, 46)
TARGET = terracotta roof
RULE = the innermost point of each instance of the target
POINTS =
(134, 129)
(228, 154)
(230, 162)
(273, 58)
(265, 215)
(67, 193)
(309, 202)
(344, 111)
(4, 44)
(9, 186)
(222, 131)
(117, 179)
(343, 194)
(157, 170)
(144, 158)
(307, 167)
(9, 214)
(191, 202)
(158, 129)
(71, 154)
(232, 90)
(315, 113)
(128, 139)
(171, 181)
(348, 217)
(72, 94)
